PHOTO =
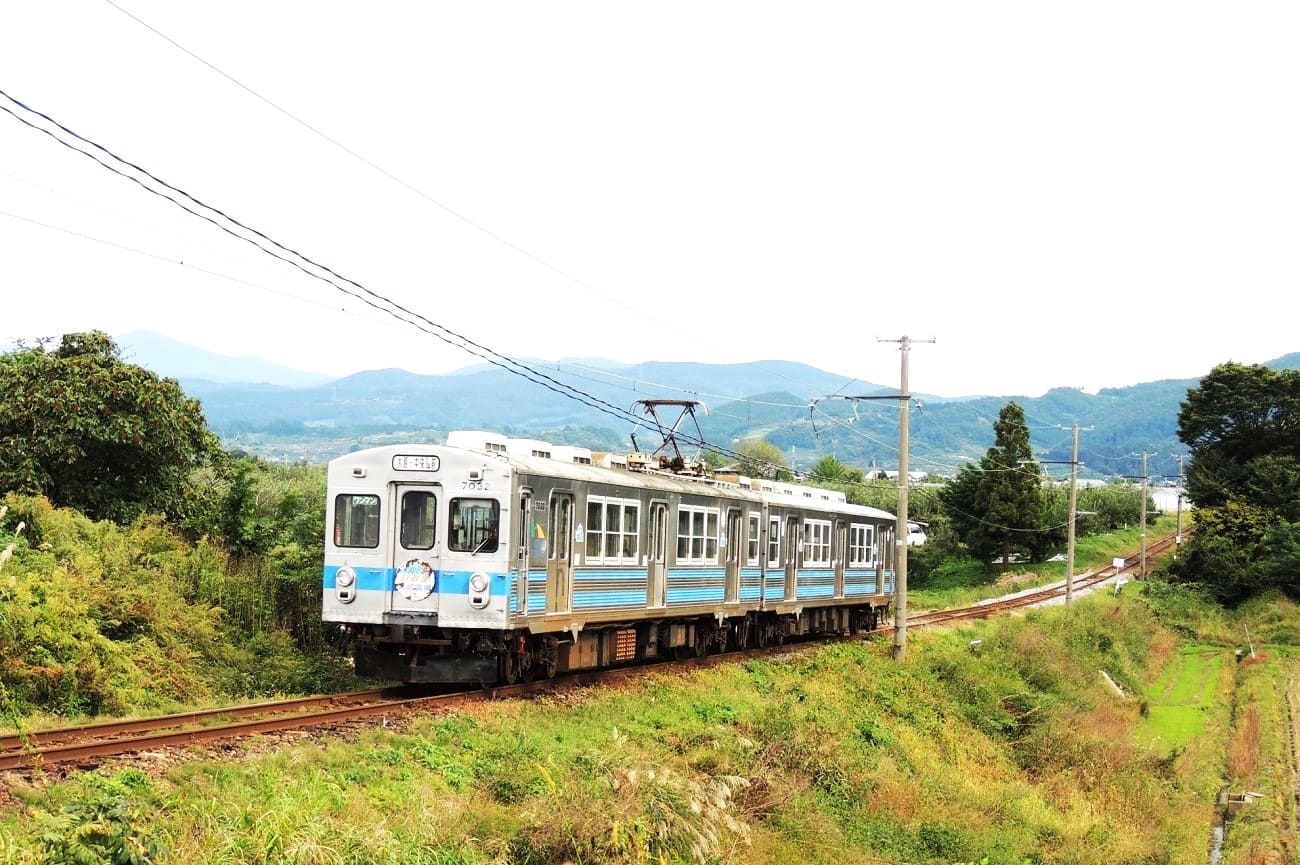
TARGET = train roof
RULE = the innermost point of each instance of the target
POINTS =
(579, 464)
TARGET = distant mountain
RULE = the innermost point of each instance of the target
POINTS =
(289, 414)
(172, 359)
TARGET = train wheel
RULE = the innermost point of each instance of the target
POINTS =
(762, 636)
(510, 667)
(703, 637)
(742, 633)
(527, 666)
(548, 657)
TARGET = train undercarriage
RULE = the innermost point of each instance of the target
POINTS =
(429, 654)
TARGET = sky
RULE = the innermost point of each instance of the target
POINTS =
(1036, 194)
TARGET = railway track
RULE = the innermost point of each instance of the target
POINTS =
(85, 745)
(1081, 583)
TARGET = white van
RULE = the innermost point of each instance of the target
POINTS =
(915, 534)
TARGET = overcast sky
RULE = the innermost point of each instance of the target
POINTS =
(1084, 195)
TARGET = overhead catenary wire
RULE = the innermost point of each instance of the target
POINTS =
(613, 298)
(315, 269)
(258, 239)
(296, 259)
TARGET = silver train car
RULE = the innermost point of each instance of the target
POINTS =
(492, 560)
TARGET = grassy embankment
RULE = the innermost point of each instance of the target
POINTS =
(1017, 749)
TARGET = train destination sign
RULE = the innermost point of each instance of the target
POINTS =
(415, 463)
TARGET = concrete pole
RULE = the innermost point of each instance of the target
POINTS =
(1069, 545)
(900, 531)
(1178, 528)
(1144, 515)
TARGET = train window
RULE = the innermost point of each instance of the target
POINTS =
(595, 527)
(473, 525)
(861, 538)
(658, 531)
(356, 520)
(697, 534)
(559, 519)
(419, 519)
(631, 531)
(773, 542)
(817, 542)
(613, 530)
(751, 550)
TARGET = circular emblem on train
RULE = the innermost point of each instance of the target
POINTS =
(415, 580)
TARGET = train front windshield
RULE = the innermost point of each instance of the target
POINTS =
(474, 525)
(356, 521)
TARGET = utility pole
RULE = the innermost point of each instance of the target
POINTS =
(1178, 527)
(1143, 572)
(1069, 533)
(900, 525)
(900, 530)
(1074, 484)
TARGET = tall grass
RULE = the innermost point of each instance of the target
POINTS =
(1010, 750)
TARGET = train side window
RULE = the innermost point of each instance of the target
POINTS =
(558, 520)
(751, 541)
(356, 520)
(817, 542)
(474, 525)
(697, 534)
(774, 542)
(613, 530)
(419, 520)
(631, 531)
(595, 527)
(859, 545)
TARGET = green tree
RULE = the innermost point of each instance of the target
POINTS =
(760, 458)
(997, 507)
(89, 431)
(829, 469)
(1242, 424)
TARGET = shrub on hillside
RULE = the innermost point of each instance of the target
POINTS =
(105, 619)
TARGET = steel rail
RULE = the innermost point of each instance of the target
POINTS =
(31, 750)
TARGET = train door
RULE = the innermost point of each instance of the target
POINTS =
(840, 555)
(530, 557)
(793, 540)
(656, 560)
(414, 553)
(772, 558)
(887, 553)
(559, 553)
(735, 542)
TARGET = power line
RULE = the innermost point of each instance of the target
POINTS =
(381, 170)
(258, 239)
(300, 261)
(403, 183)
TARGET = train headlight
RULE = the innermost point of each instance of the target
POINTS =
(344, 581)
(479, 590)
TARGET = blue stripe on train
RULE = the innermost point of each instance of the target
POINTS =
(384, 580)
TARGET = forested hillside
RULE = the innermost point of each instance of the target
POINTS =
(769, 399)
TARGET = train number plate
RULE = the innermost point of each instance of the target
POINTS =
(415, 463)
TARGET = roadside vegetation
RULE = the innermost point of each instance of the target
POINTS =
(143, 570)
(1055, 738)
